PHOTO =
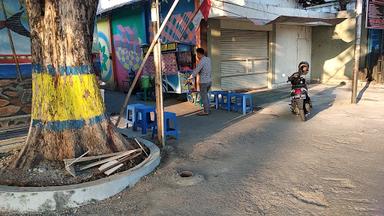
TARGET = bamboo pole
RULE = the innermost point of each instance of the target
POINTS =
(158, 75)
(145, 60)
(20, 78)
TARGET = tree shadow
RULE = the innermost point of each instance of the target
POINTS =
(323, 100)
(362, 91)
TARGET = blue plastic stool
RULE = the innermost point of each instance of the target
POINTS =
(223, 100)
(218, 97)
(212, 99)
(130, 112)
(243, 102)
(233, 101)
(144, 120)
(169, 117)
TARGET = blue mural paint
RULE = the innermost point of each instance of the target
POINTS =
(59, 126)
(8, 71)
(105, 76)
(182, 7)
(21, 42)
(63, 70)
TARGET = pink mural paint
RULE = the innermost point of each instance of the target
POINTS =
(177, 30)
(127, 51)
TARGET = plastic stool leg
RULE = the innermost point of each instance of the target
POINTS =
(135, 124)
(144, 123)
(244, 100)
(251, 103)
(216, 101)
(229, 101)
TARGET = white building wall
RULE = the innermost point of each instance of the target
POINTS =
(293, 44)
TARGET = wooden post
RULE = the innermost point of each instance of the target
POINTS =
(158, 75)
(359, 8)
(12, 46)
(145, 60)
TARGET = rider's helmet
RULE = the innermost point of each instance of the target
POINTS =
(301, 65)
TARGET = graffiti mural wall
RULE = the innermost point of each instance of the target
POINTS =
(131, 28)
(15, 85)
(105, 51)
(17, 24)
(128, 30)
(179, 27)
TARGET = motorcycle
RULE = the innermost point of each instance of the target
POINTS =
(300, 102)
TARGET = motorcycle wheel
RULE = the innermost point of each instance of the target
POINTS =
(302, 115)
(307, 108)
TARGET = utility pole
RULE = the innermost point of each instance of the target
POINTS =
(158, 75)
(359, 9)
(19, 76)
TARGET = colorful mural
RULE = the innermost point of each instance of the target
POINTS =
(17, 22)
(105, 50)
(128, 35)
(131, 28)
(179, 27)
(15, 95)
(127, 48)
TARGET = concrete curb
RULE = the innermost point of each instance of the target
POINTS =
(32, 199)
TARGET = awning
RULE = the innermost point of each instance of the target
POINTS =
(289, 20)
(308, 21)
(108, 5)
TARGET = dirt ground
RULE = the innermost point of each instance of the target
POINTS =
(267, 163)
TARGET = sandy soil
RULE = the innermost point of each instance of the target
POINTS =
(267, 163)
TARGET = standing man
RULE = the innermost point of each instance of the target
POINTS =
(204, 69)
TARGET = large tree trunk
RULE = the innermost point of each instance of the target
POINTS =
(68, 115)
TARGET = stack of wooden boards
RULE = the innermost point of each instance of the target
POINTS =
(108, 163)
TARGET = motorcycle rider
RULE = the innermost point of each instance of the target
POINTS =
(298, 81)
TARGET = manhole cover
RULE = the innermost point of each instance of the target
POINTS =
(186, 174)
(187, 178)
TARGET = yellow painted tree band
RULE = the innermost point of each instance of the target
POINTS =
(71, 97)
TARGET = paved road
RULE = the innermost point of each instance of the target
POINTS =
(268, 163)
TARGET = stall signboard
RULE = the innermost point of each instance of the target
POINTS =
(375, 14)
(164, 48)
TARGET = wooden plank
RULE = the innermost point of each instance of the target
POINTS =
(108, 165)
(114, 162)
(70, 168)
(13, 140)
(11, 147)
(141, 147)
(110, 171)
(109, 159)
(90, 158)
(77, 159)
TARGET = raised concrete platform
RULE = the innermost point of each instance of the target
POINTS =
(32, 199)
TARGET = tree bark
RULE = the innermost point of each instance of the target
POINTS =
(68, 115)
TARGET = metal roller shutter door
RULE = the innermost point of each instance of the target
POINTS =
(244, 59)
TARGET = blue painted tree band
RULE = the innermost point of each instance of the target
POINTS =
(58, 126)
(63, 70)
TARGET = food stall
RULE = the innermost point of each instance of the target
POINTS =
(177, 63)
